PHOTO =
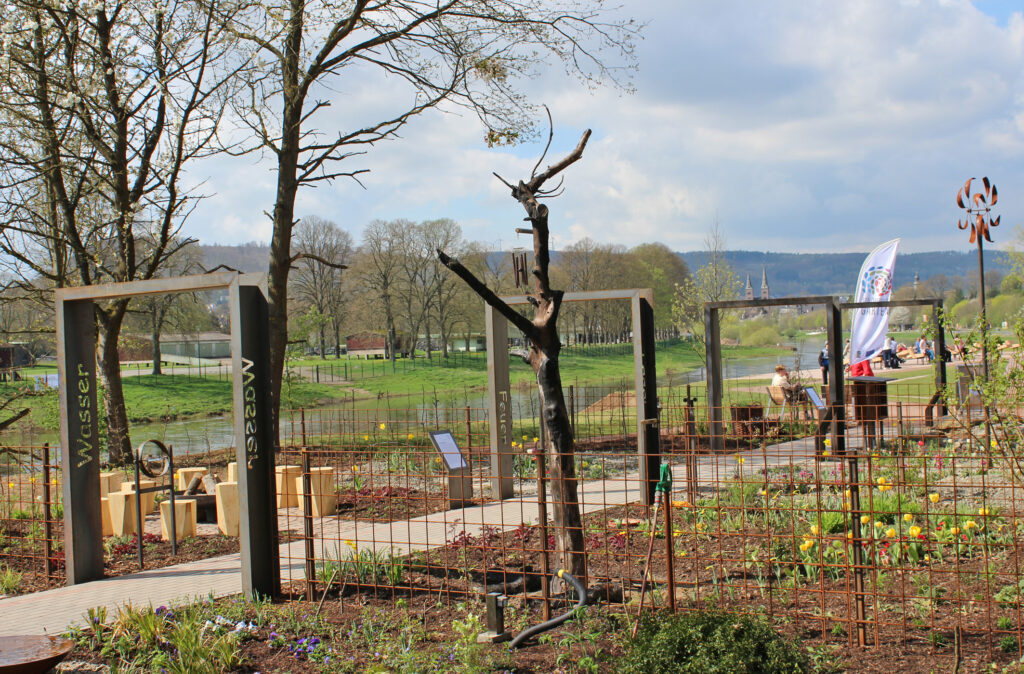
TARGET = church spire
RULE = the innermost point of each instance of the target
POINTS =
(764, 282)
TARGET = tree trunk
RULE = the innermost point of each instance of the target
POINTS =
(280, 261)
(426, 324)
(155, 338)
(119, 443)
(323, 341)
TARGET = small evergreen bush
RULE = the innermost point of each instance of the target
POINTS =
(709, 642)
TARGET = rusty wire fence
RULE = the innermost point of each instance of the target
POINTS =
(910, 535)
(31, 518)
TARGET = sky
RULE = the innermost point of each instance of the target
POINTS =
(797, 125)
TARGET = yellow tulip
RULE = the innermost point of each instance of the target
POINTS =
(954, 530)
(410, 436)
(864, 519)
(915, 531)
(983, 511)
(535, 438)
(890, 532)
(971, 524)
(815, 529)
(933, 497)
(878, 525)
(382, 426)
(908, 518)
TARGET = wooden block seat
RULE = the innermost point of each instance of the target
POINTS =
(287, 496)
(324, 499)
(227, 508)
(184, 518)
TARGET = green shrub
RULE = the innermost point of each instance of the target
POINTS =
(10, 580)
(709, 642)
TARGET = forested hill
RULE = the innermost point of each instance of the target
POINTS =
(793, 274)
(789, 274)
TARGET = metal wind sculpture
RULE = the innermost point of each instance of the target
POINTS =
(979, 219)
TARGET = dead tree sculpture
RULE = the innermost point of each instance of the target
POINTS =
(542, 335)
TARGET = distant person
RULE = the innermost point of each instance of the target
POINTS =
(823, 364)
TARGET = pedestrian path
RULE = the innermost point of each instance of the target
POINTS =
(53, 610)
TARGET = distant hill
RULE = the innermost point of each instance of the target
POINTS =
(789, 274)
(247, 257)
(795, 274)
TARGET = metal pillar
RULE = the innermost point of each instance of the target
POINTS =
(713, 354)
(257, 511)
(499, 404)
(648, 433)
(79, 440)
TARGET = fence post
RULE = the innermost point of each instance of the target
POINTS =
(47, 513)
(307, 510)
(469, 431)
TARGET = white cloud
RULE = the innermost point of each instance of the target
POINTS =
(803, 125)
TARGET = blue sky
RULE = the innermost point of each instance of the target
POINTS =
(803, 125)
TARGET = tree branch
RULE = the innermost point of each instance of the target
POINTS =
(477, 286)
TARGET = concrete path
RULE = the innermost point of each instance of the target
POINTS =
(52, 611)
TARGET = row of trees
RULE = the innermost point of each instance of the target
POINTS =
(394, 284)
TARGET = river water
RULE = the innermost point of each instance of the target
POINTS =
(200, 435)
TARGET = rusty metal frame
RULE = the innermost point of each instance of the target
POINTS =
(76, 363)
(645, 378)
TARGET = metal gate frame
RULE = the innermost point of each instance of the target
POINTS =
(80, 452)
(499, 391)
(834, 330)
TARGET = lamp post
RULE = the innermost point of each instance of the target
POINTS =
(979, 219)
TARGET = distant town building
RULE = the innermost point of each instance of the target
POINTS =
(748, 292)
(764, 282)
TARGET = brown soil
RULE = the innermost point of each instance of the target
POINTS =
(26, 553)
(390, 504)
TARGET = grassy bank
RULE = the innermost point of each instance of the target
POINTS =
(167, 397)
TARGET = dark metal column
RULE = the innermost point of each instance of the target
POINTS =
(713, 356)
(648, 434)
(79, 440)
(250, 341)
(836, 385)
(940, 346)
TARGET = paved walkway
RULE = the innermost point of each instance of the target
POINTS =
(52, 611)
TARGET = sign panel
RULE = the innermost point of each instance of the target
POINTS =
(815, 399)
(444, 443)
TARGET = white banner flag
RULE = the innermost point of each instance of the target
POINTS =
(874, 284)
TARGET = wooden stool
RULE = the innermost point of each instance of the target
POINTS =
(121, 505)
(287, 496)
(185, 476)
(227, 508)
(184, 518)
(148, 499)
(232, 472)
(323, 497)
(108, 528)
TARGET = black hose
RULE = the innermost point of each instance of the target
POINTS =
(554, 622)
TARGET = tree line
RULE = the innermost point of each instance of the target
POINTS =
(391, 283)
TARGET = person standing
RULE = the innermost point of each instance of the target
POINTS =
(823, 364)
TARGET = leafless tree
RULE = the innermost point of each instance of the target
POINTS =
(542, 336)
(324, 251)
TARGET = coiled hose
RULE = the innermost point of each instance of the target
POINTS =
(581, 591)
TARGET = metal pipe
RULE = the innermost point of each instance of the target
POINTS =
(581, 591)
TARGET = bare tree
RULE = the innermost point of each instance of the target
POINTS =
(715, 281)
(542, 335)
(324, 251)
(378, 265)
(108, 103)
